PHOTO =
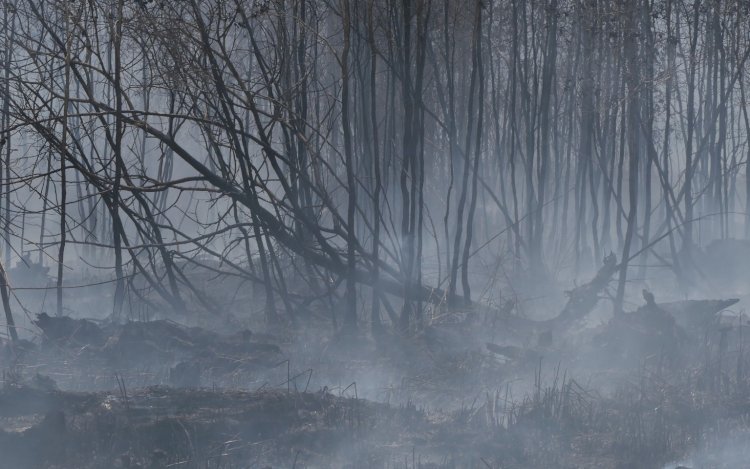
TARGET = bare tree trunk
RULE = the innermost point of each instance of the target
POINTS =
(5, 293)
(478, 65)
(119, 162)
(633, 103)
(9, 35)
(4, 286)
(350, 315)
(375, 161)
(63, 178)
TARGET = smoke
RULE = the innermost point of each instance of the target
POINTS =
(726, 446)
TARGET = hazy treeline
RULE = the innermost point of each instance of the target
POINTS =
(386, 151)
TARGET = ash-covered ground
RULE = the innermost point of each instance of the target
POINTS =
(663, 385)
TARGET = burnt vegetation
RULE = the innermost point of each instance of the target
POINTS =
(374, 233)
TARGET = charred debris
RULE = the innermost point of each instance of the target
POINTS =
(210, 401)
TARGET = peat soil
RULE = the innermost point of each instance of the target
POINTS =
(157, 394)
(664, 385)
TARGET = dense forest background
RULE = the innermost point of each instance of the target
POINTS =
(390, 155)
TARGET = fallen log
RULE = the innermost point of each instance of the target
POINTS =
(651, 331)
(582, 299)
(188, 352)
(68, 331)
(696, 313)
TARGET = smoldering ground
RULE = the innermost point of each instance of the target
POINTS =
(377, 233)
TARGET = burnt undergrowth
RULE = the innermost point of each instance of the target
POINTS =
(652, 414)
(648, 423)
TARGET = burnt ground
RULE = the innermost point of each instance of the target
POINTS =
(559, 425)
(234, 400)
(663, 385)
